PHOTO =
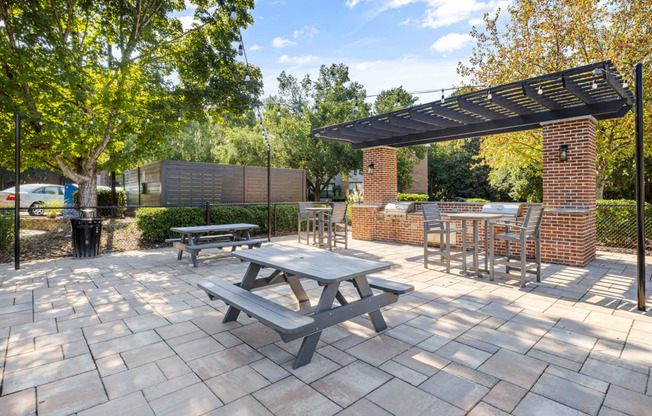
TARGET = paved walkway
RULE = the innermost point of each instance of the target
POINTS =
(130, 334)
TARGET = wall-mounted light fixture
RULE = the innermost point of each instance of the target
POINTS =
(370, 169)
(563, 153)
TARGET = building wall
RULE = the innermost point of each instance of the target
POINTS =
(419, 177)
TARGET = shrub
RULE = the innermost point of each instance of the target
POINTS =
(155, 223)
(339, 198)
(412, 197)
(6, 231)
(476, 200)
(616, 223)
(104, 200)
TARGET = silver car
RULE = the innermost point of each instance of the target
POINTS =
(34, 196)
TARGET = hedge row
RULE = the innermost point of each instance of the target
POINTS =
(412, 197)
(155, 223)
(616, 223)
(6, 231)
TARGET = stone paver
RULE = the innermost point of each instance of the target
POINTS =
(130, 333)
(71, 394)
(292, 397)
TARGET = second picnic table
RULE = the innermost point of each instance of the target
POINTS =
(195, 239)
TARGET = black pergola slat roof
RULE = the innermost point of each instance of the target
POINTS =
(513, 107)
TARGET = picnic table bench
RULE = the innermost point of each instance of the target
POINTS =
(195, 239)
(292, 264)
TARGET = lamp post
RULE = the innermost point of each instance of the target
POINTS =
(640, 198)
(17, 196)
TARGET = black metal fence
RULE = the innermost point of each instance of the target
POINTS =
(49, 235)
(616, 227)
(132, 227)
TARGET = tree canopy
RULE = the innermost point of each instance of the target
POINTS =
(536, 37)
(101, 84)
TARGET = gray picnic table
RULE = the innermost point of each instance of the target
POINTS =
(195, 239)
(330, 270)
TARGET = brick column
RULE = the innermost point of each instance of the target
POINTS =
(568, 228)
(380, 187)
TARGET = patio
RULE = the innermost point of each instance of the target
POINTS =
(131, 333)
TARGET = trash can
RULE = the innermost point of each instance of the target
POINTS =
(86, 236)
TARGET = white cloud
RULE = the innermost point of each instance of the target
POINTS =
(297, 60)
(280, 43)
(451, 42)
(437, 13)
(255, 48)
(307, 31)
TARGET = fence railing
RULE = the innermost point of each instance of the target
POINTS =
(49, 235)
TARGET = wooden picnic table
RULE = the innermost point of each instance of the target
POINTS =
(195, 239)
(330, 270)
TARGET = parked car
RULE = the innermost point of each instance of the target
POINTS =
(33, 196)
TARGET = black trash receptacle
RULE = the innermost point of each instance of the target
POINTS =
(86, 236)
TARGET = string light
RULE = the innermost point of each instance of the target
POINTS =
(625, 83)
(65, 121)
(119, 119)
(241, 50)
(91, 121)
(540, 90)
(247, 76)
(40, 122)
(443, 100)
(355, 108)
(234, 13)
(210, 116)
(316, 110)
(489, 96)
(278, 111)
(179, 115)
(148, 118)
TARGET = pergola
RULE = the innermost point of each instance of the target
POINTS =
(566, 104)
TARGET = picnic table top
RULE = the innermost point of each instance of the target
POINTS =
(472, 215)
(322, 266)
(213, 228)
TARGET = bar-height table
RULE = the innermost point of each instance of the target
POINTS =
(476, 217)
(317, 211)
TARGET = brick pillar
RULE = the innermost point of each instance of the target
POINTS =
(381, 186)
(568, 228)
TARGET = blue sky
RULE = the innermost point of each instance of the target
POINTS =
(385, 43)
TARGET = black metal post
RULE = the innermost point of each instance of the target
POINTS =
(17, 197)
(275, 220)
(208, 213)
(114, 199)
(640, 191)
(269, 194)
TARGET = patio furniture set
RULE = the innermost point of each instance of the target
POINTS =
(529, 229)
(327, 225)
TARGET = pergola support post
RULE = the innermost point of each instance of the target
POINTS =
(640, 190)
(569, 193)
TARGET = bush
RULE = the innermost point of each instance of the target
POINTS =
(104, 200)
(155, 223)
(412, 197)
(6, 231)
(339, 198)
(616, 223)
(476, 200)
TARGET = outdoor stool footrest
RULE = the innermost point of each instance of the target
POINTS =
(389, 286)
(227, 244)
(269, 313)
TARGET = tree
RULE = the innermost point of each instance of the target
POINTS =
(101, 84)
(335, 97)
(407, 157)
(543, 36)
(454, 172)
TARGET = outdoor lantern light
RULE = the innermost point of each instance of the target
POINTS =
(563, 153)
(370, 169)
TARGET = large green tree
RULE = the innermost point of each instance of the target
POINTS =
(536, 37)
(308, 104)
(102, 83)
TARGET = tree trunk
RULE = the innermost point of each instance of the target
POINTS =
(599, 184)
(88, 192)
(317, 191)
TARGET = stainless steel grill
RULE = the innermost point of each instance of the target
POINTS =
(398, 210)
(508, 209)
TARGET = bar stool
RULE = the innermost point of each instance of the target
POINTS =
(307, 216)
(529, 230)
(333, 222)
(434, 224)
